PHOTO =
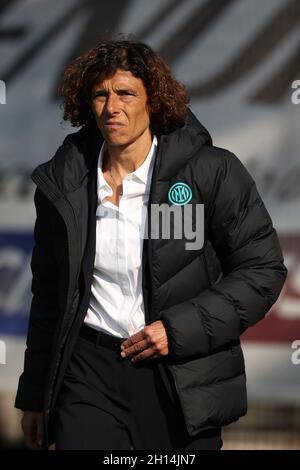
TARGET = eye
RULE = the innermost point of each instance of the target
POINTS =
(100, 95)
(126, 94)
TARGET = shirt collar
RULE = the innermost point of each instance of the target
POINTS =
(102, 184)
(140, 173)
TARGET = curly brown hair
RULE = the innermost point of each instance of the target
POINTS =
(167, 98)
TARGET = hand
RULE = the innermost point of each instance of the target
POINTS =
(32, 425)
(149, 343)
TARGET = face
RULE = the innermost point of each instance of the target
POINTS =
(120, 107)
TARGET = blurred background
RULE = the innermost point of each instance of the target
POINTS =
(240, 61)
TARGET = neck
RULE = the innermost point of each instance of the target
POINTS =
(128, 158)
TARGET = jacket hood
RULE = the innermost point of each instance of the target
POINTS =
(78, 154)
(182, 144)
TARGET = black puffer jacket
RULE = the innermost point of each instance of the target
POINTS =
(206, 297)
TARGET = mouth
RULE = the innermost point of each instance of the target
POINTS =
(113, 125)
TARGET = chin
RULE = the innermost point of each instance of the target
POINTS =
(117, 142)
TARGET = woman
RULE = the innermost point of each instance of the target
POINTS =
(134, 339)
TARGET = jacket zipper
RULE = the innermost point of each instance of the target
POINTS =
(150, 258)
(149, 245)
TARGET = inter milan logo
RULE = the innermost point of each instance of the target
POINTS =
(180, 194)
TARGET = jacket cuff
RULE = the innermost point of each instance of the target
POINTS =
(30, 397)
(185, 331)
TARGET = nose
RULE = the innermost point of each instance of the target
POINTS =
(112, 104)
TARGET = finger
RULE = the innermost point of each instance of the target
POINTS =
(135, 349)
(139, 336)
(30, 438)
(40, 431)
(147, 354)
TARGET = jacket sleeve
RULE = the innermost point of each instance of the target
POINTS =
(43, 312)
(241, 232)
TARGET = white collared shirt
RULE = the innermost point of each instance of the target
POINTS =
(116, 303)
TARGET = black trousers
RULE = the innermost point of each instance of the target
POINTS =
(108, 403)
